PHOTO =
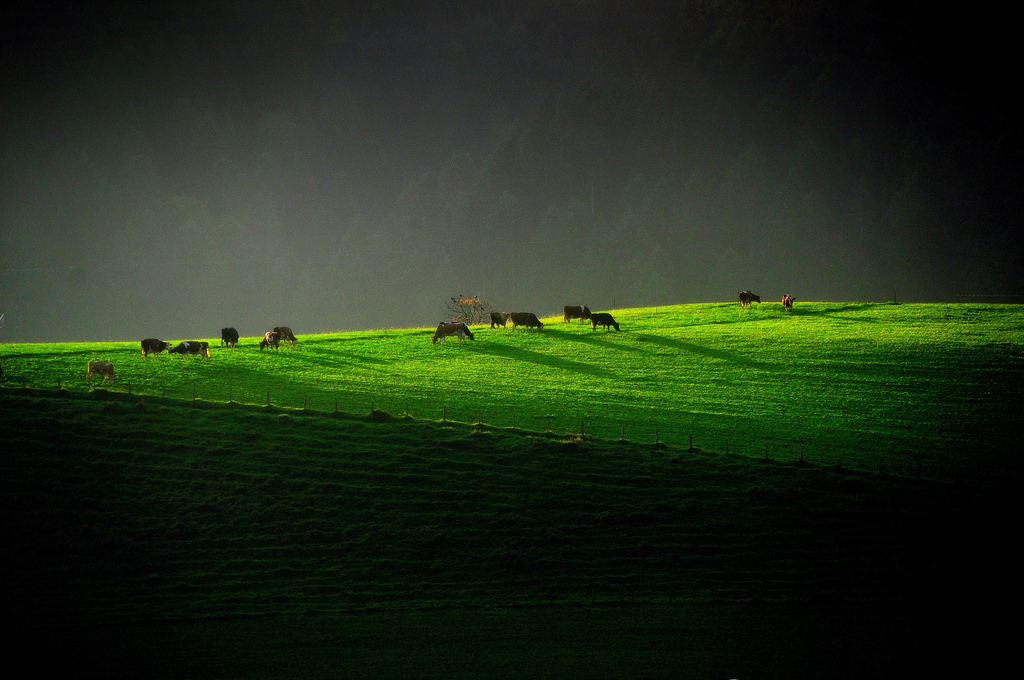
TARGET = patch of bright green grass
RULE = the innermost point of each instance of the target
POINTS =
(907, 389)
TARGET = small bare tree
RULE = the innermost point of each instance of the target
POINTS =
(469, 310)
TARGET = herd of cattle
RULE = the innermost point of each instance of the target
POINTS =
(459, 329)
(201, 348)
(272, 339)
(746, 297)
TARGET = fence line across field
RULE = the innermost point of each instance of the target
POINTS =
(426, 408)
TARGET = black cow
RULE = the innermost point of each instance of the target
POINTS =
(229, 337)
(746, 297)
(187, 347)
(580, 312)
(271, 339)
(528, 319)
(499, 319)
(603, 319)
(154, 346)
(286, 334)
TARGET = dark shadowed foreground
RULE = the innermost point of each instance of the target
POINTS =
(189, 540)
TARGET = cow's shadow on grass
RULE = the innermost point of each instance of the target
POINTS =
(837, 312)
(531, 356)
(592, 337)
(331, 358)
(693, 348)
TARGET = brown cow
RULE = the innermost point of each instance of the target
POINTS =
(499, 319)
(447, 328)
(104, 368)
(746, 297)
(286, 334)
(270, 339)
(528, 319)
(787, 302)
(580, 312)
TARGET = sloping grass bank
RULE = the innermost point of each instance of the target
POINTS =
(124, 511)
(929, 390)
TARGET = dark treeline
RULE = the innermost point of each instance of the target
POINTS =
(170, 170)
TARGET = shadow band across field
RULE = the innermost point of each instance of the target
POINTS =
(721, 355)
(520, 354)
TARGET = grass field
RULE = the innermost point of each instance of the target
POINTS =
(909, 389)
(204, 538)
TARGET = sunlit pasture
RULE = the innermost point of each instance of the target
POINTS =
(910, 389)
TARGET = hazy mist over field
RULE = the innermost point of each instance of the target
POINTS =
(170, 168)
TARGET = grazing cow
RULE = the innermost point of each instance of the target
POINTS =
(787, 302)
(187, 347)
(270, 339)
(286, 334)
(104, 368)
(499, 319)
(154, 346)
(229, 337)
(603, 319)
(446, 328)
(746, 297)
(580, 312)
(528, 319)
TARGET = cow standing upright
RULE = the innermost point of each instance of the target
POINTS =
(569, 312)
(787, 302)
(286, 334)
(499, 319)
(746, 297)
(229, 337)
(154, 346)
(104, 368)
(528, 319)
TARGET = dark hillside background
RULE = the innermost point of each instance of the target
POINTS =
(170, 168)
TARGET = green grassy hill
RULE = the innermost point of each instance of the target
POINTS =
(912, 390)
(134, 518)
